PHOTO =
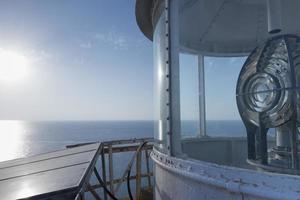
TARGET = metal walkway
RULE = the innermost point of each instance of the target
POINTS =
(81, 172)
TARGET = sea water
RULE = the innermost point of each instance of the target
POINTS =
(26, 138)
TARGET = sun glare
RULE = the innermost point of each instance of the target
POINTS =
(12, 143)
(13, 66)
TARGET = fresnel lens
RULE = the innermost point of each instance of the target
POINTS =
(268, 97)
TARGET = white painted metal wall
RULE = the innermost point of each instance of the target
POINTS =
(178, 179)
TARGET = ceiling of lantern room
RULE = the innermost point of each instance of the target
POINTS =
(227, 27)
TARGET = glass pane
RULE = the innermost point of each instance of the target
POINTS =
(189, 95)
(222, 115)
(160, 84)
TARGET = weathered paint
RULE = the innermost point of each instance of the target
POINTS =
(177, 178)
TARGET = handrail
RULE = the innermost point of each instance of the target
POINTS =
(121, 146)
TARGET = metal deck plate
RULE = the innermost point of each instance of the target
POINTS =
(57, 175)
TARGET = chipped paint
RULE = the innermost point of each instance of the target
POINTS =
(225, 179)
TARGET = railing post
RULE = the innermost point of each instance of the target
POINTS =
(111, 169)
(201, 89)
(148, 167)
(103, 171)
(138, 174)
(107, 180)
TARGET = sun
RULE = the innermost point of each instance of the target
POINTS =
(13, 66)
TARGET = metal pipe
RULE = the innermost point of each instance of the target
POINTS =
(148, 167)
(138, 175)
(274, 16)
(112, 196)
(201, 86)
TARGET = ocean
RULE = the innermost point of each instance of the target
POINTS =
(26, 138)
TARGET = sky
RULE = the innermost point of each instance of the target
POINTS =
(88, 60)
(221, 75)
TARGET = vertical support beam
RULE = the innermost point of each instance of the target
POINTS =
(138, 174)
(168, 80)
(251, 141)
(274, 16)
(294, 144)
(263, 145)
(262, 142)
(103, 171)
(201, 86)
(148, 167)
(294, 107)
(111, 169)
(172, 22)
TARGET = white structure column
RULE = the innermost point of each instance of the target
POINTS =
(172, 20)
(274, 16)
(201, 84)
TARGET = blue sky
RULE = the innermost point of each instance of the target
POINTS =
(221, 75)
(88, 60)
